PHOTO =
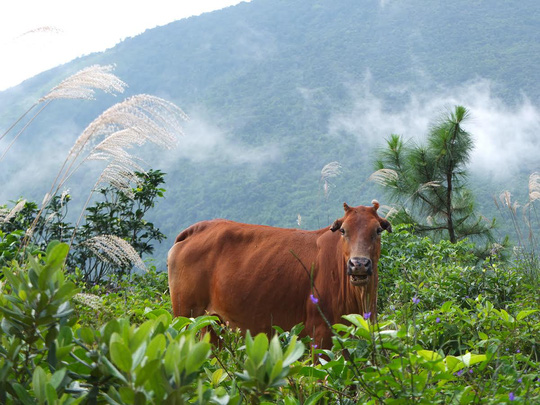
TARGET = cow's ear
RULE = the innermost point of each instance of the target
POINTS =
(336, 225)
(387, 226)
(346, 207)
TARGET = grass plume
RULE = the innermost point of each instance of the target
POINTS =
(80, 85)
(330, 170)
(112, 249)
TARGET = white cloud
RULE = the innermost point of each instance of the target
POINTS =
(205, 141)
(506, 135)
(77, 29)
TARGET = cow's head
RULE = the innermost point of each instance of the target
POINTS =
(361, 229)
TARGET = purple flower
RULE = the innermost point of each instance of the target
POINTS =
(438, 320)
(367, 315)
(511, 396)
(314, 346)
(520, 380)
(313, 299)
(459, 373)
(471, 371)
(518, 351)
(416, 300)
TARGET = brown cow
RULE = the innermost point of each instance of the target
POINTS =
(255, 276)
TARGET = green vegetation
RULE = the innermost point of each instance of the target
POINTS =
(429, 181)
(117, 214)
(79, 325)
(450, 330)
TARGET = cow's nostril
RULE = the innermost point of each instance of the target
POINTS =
(365, 262)
(360, 262)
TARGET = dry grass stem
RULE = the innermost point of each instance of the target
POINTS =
(429, 184)
(81, 85)
(384, 177)
(534, 187)
(112, 249)
(11, 213)
(136, 120)
(332, 169)
(506, 200)
(39, 30)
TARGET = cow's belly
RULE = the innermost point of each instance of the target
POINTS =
(257, 300)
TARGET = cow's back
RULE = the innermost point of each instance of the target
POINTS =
(245, 274)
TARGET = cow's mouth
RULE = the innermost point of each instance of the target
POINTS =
(359, 279)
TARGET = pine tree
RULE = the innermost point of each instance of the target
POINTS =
(429, 180)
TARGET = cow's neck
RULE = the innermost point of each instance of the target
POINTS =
(356, 300)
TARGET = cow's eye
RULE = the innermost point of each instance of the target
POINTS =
(342, 231)
(379, 231)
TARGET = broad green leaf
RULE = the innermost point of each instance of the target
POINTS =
(157, 345)
(57, 255)
(259, 348)
(39, 381)
(446, 306)
(294, 354)
(142, 333)
(121, 356)
(453, 364)
(429, 355)
(12, 279)
(114, 371)
(275, 352)
(58, 377)
(51, 394)
(172, 358)
(314, 398)
(313, 372)
(357, 320)
(197, 356)
(291, 401)
(523, 314)
(146, 372)
(276, 371)
(86, 335)
(218, 376)
(23, 395)
(138, 355)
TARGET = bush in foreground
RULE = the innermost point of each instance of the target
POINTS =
(473, 353)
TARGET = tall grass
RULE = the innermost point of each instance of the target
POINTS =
(526, 224)
(110, 138)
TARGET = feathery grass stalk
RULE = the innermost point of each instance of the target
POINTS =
(112, 249)
(385, 177)
(330, 170)
(134, 121)
(11, 213)
(18, 120)
(80, 85)
(23, 129)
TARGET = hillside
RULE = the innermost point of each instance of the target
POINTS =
(277, 89)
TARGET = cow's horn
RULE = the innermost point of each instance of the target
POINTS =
(375, 204)
(346, 207)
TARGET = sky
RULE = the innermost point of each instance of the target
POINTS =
(37, 35)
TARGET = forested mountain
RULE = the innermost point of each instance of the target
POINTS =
(277, 89)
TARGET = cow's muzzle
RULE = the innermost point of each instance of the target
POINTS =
(359, 269)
